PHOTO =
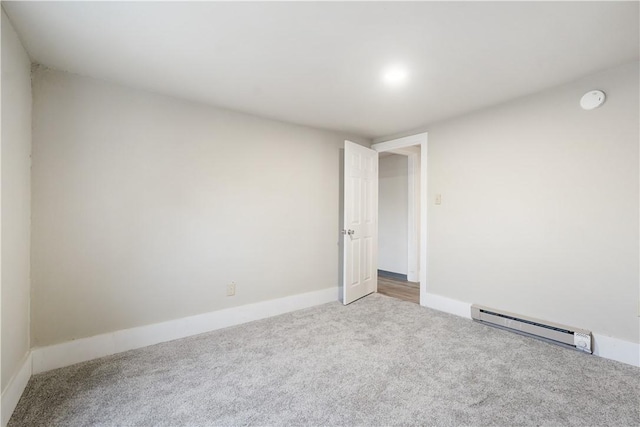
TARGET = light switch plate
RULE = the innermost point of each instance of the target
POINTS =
(231, 289)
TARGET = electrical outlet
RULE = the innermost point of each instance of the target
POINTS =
(231, 289)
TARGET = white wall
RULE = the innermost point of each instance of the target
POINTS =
(540, 209)
(146, 207)
(393, 213)
(16, 201)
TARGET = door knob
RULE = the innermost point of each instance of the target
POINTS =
(349, 232)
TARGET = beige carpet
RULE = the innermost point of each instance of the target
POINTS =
(376, 362)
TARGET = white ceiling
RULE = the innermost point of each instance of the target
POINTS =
(319, 64)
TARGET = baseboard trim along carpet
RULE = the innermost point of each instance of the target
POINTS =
(448, 305)
(616, 349)
(81, 350)
(84, 349)
(604, 346)
(12, 393)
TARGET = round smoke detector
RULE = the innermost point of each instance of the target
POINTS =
(592, 99)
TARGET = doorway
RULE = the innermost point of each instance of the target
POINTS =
(414, 149)
(394, 266)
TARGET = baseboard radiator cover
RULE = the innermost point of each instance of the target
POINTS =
(567, 336)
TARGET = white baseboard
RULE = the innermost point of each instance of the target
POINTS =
(616, 349)
(448, 305)
(603, 346)
(81, 350)
(13, 391)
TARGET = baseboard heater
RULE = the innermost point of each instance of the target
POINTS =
(567, 336)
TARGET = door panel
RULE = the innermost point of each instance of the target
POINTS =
(360, 235)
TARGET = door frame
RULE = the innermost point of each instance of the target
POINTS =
(406, 146)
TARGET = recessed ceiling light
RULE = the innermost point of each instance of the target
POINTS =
(395, 75)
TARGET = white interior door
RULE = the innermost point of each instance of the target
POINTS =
(360, 233)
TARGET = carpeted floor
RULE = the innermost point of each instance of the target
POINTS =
(376, 362)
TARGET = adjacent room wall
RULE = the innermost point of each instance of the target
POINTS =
(16, 201)
(539, 211)
(146, 207)
(393, 214)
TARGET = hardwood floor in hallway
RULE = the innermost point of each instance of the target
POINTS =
(401, 289)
